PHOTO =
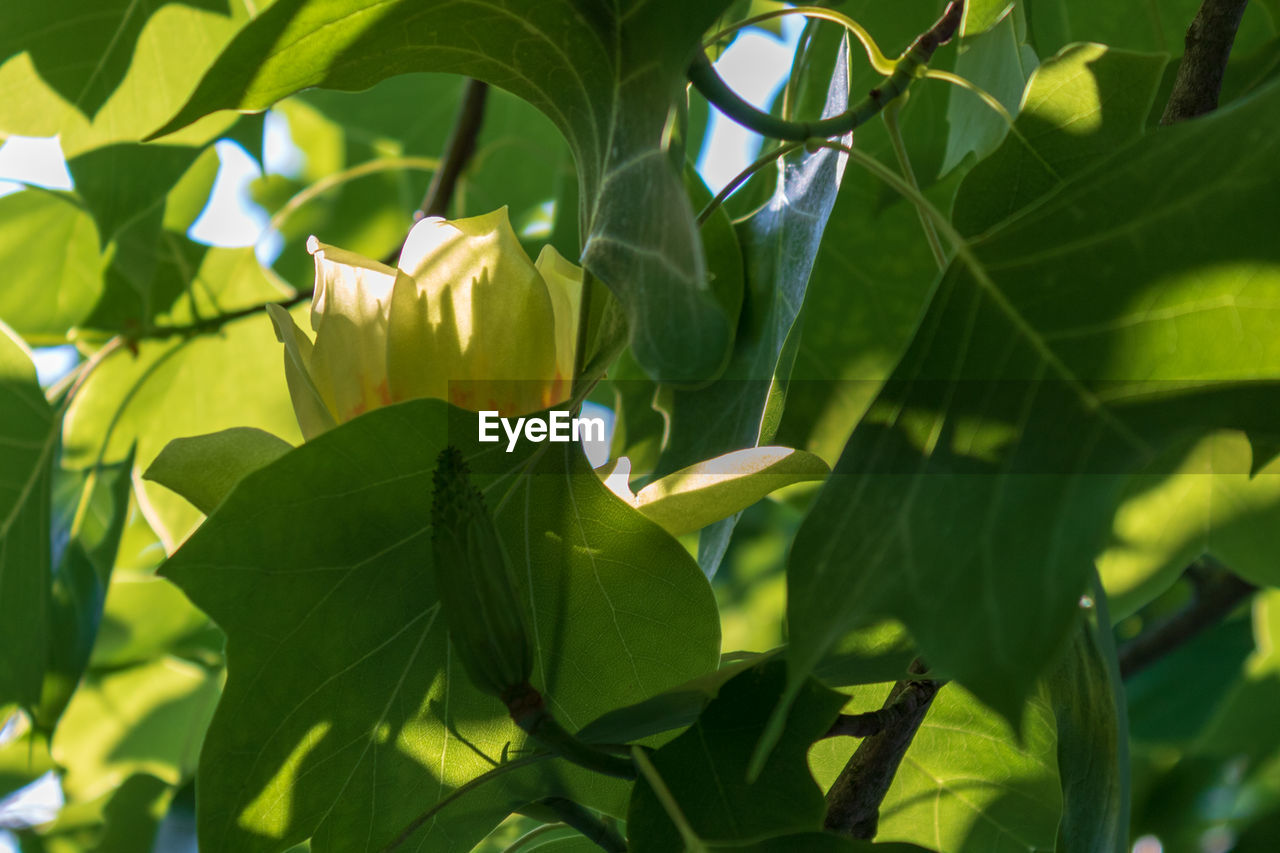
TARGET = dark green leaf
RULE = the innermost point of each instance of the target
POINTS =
(1132, 24)
(28, 438)
(1079, 107)
(123, 183)
(1065, 351)
(1093, 743)
(89, 517)
(706, 768)
(998, 61)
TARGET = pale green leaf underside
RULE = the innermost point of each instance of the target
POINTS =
(696, 496)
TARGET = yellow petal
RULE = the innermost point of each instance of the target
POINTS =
(315, 414)
(349, 316)
(564, 283)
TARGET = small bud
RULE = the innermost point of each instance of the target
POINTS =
(476, 585)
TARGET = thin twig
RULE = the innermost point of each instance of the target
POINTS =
(1209, 41)
(217, 321)
(853, 802)
(905, 71)
(1214, 600)
(457, 151)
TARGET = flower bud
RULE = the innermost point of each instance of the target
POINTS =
(476, 585)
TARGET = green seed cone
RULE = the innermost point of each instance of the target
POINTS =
(476, 585)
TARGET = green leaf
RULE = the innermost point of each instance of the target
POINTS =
(982, 15)
(90, 509)
(779, 244)
(123, 183)
(1200, 499)
(147, 718)
(98, 73)
(969, 781)
(676, 708)
(177, 387)
(1093, 748)
(1132, 24)
(341, 686)
(606, 79)
(28, 438)
(696, 496)
(119, 821)
(1062, 352)
(871, 280)
(1173, 700)
(53, 271)
(706, 767)
(205, 468)
(24, 754)
(1079, 107)
(999, 61)
(1240, 726)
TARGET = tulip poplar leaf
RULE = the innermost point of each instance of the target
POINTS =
(205, 468)
(970, 780)
(694, 497)
(1037, 381)
(779, 244)
(49, 251)
(606, 77)
(1088, 700)
(111, 71)
(341, 685)
(28, 445)
(705, 768)
(1078, 108)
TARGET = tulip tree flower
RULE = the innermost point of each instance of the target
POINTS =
(466, 317)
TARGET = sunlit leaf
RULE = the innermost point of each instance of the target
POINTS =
(341, 685)
(205, 468)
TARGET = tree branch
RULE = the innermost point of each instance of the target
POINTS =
(217, 321)
(853, 803)
(457, 151)
(1208, 46)
(1213, 601)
